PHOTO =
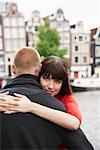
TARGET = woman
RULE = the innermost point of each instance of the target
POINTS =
(55, 81)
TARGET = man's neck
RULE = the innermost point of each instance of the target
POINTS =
(25, 72)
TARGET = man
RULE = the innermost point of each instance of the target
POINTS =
(25, 131)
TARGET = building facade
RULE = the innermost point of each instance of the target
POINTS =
(2, 62)
(32, 27)
(13, 35)
(58, 21)
(80, 51)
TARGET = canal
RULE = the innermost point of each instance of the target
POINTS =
(89, 103)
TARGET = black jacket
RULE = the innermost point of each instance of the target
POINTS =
(26, 131)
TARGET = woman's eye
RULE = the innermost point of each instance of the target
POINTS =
(58, 81)
(45, 78)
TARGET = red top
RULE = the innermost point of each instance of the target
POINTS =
(71, 106)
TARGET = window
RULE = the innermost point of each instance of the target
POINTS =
(8, 45)
(2, 69)
(84, 59)
(21, 22)
(9, 59)
(76, 74)
(66, 36)
(61, 36)
(76, 48)
(59, 24)
(75, 38)
(6, 21)
(13, 22)
(7, 33)
(97, 61)
(14, 33)
(36, 28)
(21, 33)
(1, 44)
(80, 38)
(36, 19)
(66, 25)
(76, 59)
(15, 44)
(97, 51)
(53, 24)
(0, 30)
(1, 58)
(59, 16)
(22, 43)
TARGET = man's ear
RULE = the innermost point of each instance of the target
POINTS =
(13, 69)
(37, 70)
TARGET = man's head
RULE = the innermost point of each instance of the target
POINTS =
(26, 61)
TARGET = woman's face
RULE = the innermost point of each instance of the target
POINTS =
(51, 86)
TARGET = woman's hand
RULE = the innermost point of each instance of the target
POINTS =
(12, 104)
(3, 101)
(19, 103)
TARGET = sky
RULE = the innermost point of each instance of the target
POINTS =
(87, 11)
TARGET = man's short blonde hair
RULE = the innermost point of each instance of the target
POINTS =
(26, 58)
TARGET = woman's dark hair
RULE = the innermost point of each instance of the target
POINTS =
(55, 67)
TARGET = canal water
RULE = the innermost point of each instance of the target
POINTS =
(89, 103)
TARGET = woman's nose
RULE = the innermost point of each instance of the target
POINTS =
(50, 84)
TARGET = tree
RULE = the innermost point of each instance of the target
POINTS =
(49, 41)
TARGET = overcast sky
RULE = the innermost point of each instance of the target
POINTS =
(74, 10)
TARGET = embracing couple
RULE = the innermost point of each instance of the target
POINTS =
(38, 109)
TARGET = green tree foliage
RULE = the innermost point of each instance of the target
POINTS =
(49, 41)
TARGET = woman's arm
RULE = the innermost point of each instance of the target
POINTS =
(58, 117)
(72, 106)
(23, 104)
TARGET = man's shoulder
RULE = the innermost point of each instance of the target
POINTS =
(50, 101)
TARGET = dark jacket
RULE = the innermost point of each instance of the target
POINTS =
(26, 131)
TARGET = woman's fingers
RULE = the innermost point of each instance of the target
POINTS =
(2, 109)
(9, 99)
(8, 103)
(19, 95)
(13, 103)
(3, 98)
(5, 93)
(16, 103)
(4, 103)
(9, 112)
